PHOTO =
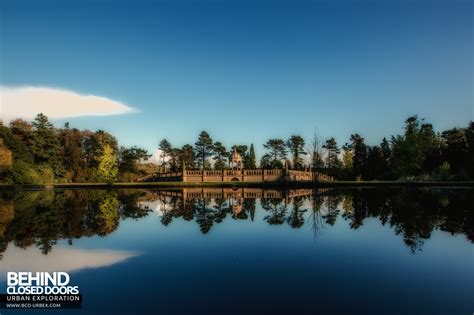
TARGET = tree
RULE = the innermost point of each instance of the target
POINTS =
(347, 157)
(315, 151)
(22, 131)
(359, 161)
(5, 157)
(470, 149)
(165, 147)
(46, 144)
(431, 148)
(332, 152)
(174, 161)
(250, 162)
(386, 152)
(130, 157)
(456, 149)
(375, 163)
(20, 150)
(107, 169)
(347, 161)
(407, 150)
(296, 145)
(277, 150)
(220, 156)
(72, 155)
(188, 156)
(203, 148)
(93, 146)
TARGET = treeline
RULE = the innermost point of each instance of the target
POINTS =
(419, 153)
(36, 153)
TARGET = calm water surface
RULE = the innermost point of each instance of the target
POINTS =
(351, 251)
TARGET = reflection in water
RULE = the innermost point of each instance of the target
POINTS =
(41, 218)
(62, 258)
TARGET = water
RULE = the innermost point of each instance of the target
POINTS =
(350, 251)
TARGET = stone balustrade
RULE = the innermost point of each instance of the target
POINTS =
(227, 175)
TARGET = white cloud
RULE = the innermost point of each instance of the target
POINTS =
(27, 102)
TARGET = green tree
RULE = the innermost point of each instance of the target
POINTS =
(5, 157)
(375, 163)
(347, 161)
(387, 158)
(174, 161)
(20, 151)
(407, 150)
(277, 152)
(250, 161)
(46, 144)
(315, 151)
(456, 149)
(204, 149)
(22, 131)
(93, 146)
(166, 148)
(188, 156)
(220, 156)
(72, 155)
(130, 157)
(107, 170)
(332, 152)
(470, 149)
(359, 161)
(296, 145)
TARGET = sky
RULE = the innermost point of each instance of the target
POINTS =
(244, 71)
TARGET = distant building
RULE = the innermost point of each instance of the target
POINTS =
(236, 161)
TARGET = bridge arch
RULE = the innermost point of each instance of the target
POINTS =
(235, 179)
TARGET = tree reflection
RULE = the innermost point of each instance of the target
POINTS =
(296, 219)
(41, 218)
(277, 210)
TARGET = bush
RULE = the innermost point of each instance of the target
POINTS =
(26, 173)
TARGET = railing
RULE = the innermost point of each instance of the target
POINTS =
(193, 173)
(253, 172)
(273, 172)
(212, 173)
(272, 175)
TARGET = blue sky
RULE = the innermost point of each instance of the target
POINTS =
(247, 71)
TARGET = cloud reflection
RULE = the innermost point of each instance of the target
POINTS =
(61, 259)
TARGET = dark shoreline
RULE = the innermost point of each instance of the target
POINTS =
(278, 185)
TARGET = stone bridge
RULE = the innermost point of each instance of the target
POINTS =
(228, 175)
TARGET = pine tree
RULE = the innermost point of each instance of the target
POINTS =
(250, 162)
(359, 161)
(220, 156)
(165, 147)
(46, 145)
(277, 150)
(187, 157)
(203, 149)
(296, 146)
(332, 151)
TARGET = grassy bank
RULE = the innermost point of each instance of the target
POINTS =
(239, 185)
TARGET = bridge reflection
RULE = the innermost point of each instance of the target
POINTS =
(227, 193)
